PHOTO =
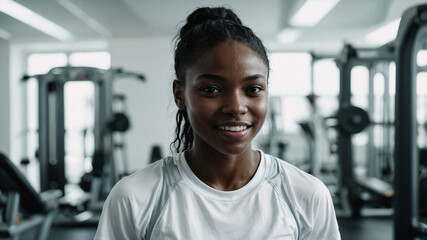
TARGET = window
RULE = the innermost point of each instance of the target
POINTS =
(360, 86)
(326, 85)
(422, 108)
(290, 80)
(293, 77)
(422, 58)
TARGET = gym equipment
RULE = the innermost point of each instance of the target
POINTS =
(309, 128)
(352, 120)
(318, 143)
(51, 152)
(275, 143)
(119, 123)
(156, 153)
(24, 209)
(422, 153)
(316, 130)
(411, 37)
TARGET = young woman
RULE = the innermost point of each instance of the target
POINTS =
(217, 186)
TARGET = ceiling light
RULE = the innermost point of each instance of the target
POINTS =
(384, 34)
(311, 12)
(288, 35)
(34, 20)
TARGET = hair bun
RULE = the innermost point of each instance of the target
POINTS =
(207, 14)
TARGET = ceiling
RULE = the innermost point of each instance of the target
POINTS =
(350, 21)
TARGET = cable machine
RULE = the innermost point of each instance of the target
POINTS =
(52, 152)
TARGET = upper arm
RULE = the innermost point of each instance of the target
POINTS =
(129, 205)
(118, 218)
(313, 203)
(324, 225)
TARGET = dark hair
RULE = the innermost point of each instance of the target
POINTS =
(205, 28)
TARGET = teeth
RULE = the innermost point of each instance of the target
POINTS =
(233, 128)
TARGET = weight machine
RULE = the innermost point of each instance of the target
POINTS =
(51, 152)
(411, 37)
(352, 120)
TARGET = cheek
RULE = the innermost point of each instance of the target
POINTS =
(262, 109)
(199, 108)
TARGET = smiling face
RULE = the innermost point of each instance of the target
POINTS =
(225, 96)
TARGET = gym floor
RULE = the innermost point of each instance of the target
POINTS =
(364, 228)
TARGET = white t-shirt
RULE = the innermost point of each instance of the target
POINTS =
(166, 200)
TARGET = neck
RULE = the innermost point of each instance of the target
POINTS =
(222, 171)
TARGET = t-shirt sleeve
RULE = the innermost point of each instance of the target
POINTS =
(117, 218)
(127, 209)
(313, 203)
(325, 225)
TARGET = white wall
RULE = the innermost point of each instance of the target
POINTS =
(150, 104)
(4, 98)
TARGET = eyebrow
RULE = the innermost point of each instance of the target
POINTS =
(222, 79)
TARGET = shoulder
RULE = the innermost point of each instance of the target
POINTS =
(302, 184)
(130, 203)
(139, 185)
(311, 201)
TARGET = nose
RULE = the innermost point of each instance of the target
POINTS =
(235, 103)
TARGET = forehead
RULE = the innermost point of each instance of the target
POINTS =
(229, 58)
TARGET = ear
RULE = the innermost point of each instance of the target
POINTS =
(178, 93)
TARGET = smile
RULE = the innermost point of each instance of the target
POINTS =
(233, 128)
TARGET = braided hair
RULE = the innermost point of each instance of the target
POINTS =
(206, 28)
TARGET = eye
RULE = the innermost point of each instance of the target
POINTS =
(254, 90)
(210, 90)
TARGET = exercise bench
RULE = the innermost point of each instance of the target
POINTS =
(24, 208)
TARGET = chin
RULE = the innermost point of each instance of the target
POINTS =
(234, 150)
